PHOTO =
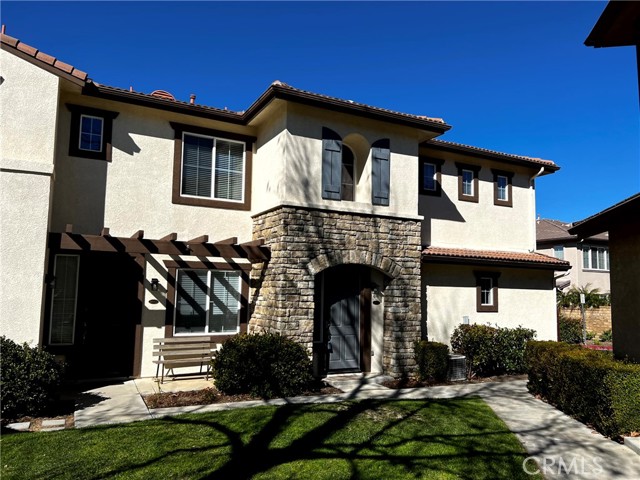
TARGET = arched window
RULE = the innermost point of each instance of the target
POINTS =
(348, 174)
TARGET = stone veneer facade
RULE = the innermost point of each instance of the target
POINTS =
(306, 241)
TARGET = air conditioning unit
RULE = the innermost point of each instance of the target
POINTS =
(457, 368)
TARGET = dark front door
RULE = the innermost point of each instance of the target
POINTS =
(107, 312)
(342, 315)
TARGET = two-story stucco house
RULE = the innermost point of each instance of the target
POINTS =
(129, 216)
(589, 258)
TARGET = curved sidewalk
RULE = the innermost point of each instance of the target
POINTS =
(562, 446)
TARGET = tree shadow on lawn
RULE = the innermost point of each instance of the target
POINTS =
(485, 453)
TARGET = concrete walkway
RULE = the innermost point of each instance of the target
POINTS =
(562, 447)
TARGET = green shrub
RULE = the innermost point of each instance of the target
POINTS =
(606, 336)
(591, 335)
(29, 379)
(509, 345)
(432, 359)
(587, 384)
(476, 343)
(569, 330)
(491, 351)
(266, 365)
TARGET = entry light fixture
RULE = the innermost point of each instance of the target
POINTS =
(376, 294)
(155, 284)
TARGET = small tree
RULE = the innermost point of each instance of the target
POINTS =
(593, 298)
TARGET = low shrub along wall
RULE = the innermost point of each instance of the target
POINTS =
(491, 350)
(432, 359)
(590, 385)
(265, 365)
(29, 379)
(569, 329)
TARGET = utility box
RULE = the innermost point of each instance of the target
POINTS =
(457, 368)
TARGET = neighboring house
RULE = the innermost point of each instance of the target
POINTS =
(622, 221)
(618, 26)
(130, 216)
(589, 258)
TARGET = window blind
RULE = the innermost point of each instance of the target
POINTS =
(196, 166)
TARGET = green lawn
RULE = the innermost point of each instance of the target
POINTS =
(369, 439)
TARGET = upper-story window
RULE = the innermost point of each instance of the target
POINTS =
(595, 258)
(339, 172)
(348, 174)
(502, 188)
(90, 132)
(430, 176)
(468, 182)
(558, 252)
(211, 168)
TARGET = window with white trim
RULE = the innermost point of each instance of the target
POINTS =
(207, 301)
(64, 299)
(467, 182)
(91, 132)
(595, 258)
(558, 252)
(212, 168)
(429, 177)
(503, 188)
(486, 291)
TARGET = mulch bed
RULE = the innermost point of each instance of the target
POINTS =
(400, 383)
(209, 396)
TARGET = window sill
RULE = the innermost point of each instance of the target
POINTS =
(595, 270)
(209, 202)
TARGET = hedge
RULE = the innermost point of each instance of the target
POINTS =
(264, 365)
(29, 379)
(569, 329)
(432, 359)
(589, 385)
(491, 350)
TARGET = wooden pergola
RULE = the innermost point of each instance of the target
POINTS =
(255, 251)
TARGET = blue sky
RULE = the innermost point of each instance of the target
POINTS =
(510, 76)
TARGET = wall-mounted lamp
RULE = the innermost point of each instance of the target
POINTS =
(376, 294)
(465, 320)
(155, 284)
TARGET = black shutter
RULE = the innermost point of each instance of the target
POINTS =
(331, 164)
(381, 172)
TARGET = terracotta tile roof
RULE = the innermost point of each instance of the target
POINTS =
(42, 57)
(493, 153)
(493, 257)
(283, 85)
(548, 230)
(161, 99)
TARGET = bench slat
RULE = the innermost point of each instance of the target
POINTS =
(183, 340)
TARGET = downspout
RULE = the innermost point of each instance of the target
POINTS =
(533, 208)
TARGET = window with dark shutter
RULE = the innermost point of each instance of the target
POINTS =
(331, 165)
(381, 171)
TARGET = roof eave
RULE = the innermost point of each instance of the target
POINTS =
(548, 168)
(109, 93)
(457, 260)
(311, 99)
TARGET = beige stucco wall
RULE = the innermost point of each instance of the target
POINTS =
(269, 177)
(134, 190)
(303, 161)
(525, 298)
(154, 307)
(28, 102)
(577, 275)
(452, 223)
(624, 244)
